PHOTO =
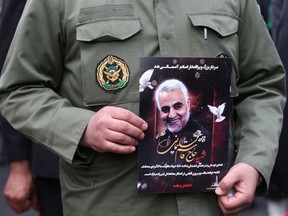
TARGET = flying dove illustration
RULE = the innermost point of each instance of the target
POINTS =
(144, 80)
(218, 112)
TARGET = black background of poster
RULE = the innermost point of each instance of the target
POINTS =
(206, 87)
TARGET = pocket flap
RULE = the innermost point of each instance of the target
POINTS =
(222, 24)
(108, 30)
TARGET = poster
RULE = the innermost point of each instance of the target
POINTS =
(185, 102)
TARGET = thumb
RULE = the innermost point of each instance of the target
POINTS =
(226, 184)
(219, 191)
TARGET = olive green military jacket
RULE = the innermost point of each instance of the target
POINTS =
(51, 87)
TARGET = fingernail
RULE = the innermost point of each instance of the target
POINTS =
(218, 191)
(144, 126)
(132, 149)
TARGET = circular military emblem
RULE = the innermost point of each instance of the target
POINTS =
(112, 74)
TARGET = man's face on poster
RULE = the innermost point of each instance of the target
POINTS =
(174, 110)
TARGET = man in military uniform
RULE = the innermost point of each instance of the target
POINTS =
(54, 89)
(173, 103)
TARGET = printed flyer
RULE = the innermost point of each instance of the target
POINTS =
(185, 102)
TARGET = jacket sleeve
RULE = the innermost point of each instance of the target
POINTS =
(258, 109)
(31, 77)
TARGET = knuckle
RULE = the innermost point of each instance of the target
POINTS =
(129, 115)
(121, 138)
(125, 127)
(99, 147)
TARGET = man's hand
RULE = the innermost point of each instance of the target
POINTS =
(237, 189)
(115, 130)
(20, 190)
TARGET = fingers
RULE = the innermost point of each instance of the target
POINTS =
(114, 130)
(226, 184)
(22, 204)
(228, 197)
(126, 128)
(19, 186)
(232, 204)
(122, 139)
(236, 190)
(129, 117)
(120, 120)
(126, 123)
(19, 205)
(115, 148)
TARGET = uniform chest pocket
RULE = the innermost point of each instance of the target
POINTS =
(113, 40)
(222, 25)
(217, 33)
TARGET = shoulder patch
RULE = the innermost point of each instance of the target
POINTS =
(112, 74)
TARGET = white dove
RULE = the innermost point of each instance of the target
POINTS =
(218, 112)
(144, 80)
